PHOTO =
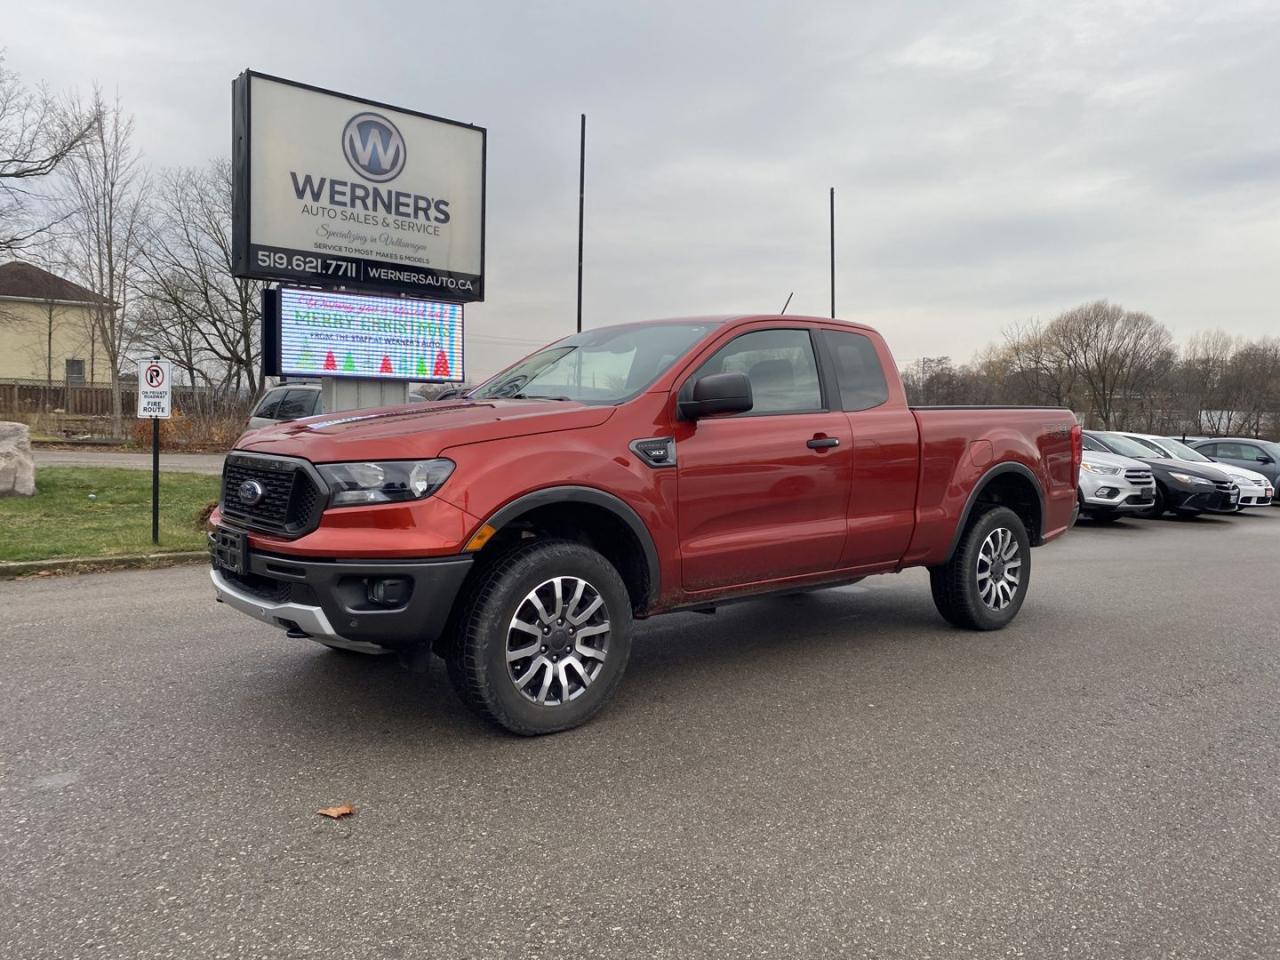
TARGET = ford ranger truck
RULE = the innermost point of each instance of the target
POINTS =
(625, 472)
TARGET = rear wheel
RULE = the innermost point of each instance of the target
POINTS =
(543, 638)
(984, 583)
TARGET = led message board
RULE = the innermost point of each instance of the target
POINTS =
(314, 333)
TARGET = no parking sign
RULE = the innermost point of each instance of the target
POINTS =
(155, 389)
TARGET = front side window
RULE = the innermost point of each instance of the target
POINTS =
(858, 370)
(781, 366)
(607, 365)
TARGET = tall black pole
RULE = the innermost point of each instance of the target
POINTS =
(582, 186)
(833, 253)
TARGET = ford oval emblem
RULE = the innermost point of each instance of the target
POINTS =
(251, 493)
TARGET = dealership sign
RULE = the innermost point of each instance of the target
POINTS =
(315, 333)
(338, 191)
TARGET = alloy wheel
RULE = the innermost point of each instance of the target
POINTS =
(557, 641)
(999, 568)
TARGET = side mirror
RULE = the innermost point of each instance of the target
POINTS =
(717, 393)
(1265, 459)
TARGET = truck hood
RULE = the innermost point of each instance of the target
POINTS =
(418, 430)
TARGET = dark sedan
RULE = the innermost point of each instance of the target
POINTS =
(1184, 488)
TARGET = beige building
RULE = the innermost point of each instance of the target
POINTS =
(45, 329)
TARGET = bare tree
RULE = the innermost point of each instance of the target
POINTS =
(102, 199)
(188, 273)
(36, 138)
(1034, 361)
(1118, 356)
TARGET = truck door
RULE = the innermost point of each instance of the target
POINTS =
(885, 453)
(762, 494)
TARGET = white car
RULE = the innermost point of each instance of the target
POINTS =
(1255, 489)
(1112, 486)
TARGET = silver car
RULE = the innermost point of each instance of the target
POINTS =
(1112, 486)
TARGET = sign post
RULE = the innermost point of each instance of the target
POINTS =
(155, 394)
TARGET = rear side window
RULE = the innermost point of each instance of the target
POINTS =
(270, 404)
(296, 403)
(1231, 451)
(1209, 449)
(858, 370)
(780, 365)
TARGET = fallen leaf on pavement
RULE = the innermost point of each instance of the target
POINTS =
(338, 812)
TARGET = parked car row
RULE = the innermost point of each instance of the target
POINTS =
(1143, 475)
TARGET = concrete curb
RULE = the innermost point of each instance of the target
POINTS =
(26, 568)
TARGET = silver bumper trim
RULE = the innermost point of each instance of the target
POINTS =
(310, 620)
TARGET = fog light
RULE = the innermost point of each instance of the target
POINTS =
(389, 591)
(1107, 492)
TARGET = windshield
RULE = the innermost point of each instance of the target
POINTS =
(1182, 452)
(1128, 447)
(601, 366)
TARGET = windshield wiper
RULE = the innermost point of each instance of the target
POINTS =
(537, 396)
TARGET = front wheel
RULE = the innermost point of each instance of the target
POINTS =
(984, 583)
(543, 638)
(1156, 509)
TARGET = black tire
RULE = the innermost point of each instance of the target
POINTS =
(482, 630)
(956, 584)
(1156, 510)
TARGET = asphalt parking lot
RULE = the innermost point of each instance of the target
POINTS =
(838, 774)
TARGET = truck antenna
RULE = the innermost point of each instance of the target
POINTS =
(787, 304)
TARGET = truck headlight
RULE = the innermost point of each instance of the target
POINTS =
(1100, 469)
(1188, 479)
(386, 481)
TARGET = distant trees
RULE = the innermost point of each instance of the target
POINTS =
(37, 135)
(102, 202)
(196, 311)
(1118, 369)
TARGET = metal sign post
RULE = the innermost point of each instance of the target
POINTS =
(155, 395)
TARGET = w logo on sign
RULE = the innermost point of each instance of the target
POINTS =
(373, 146)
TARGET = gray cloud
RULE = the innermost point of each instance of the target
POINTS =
(993, 161)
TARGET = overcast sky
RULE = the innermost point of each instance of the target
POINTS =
(993, 161)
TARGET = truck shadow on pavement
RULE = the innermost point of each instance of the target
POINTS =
(675, 660)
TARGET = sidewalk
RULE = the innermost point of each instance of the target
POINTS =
(206, 463)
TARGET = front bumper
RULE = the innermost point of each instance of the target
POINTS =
(1256, 496)
(1114, 494)
(1209, 501)
(333, 600)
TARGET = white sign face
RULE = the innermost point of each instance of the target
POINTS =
(155, 389)
(333, 190)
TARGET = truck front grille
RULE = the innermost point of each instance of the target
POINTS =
(291, 501)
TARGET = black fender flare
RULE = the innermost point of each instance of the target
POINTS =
(576, 494)
(998, 470)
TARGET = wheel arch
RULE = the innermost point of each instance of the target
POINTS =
(1009, 484)
(601, 520)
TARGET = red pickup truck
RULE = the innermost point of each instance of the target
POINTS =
(624, 472)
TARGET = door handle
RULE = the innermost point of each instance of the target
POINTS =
(821, 443)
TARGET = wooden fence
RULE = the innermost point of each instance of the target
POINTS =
(94, 400)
